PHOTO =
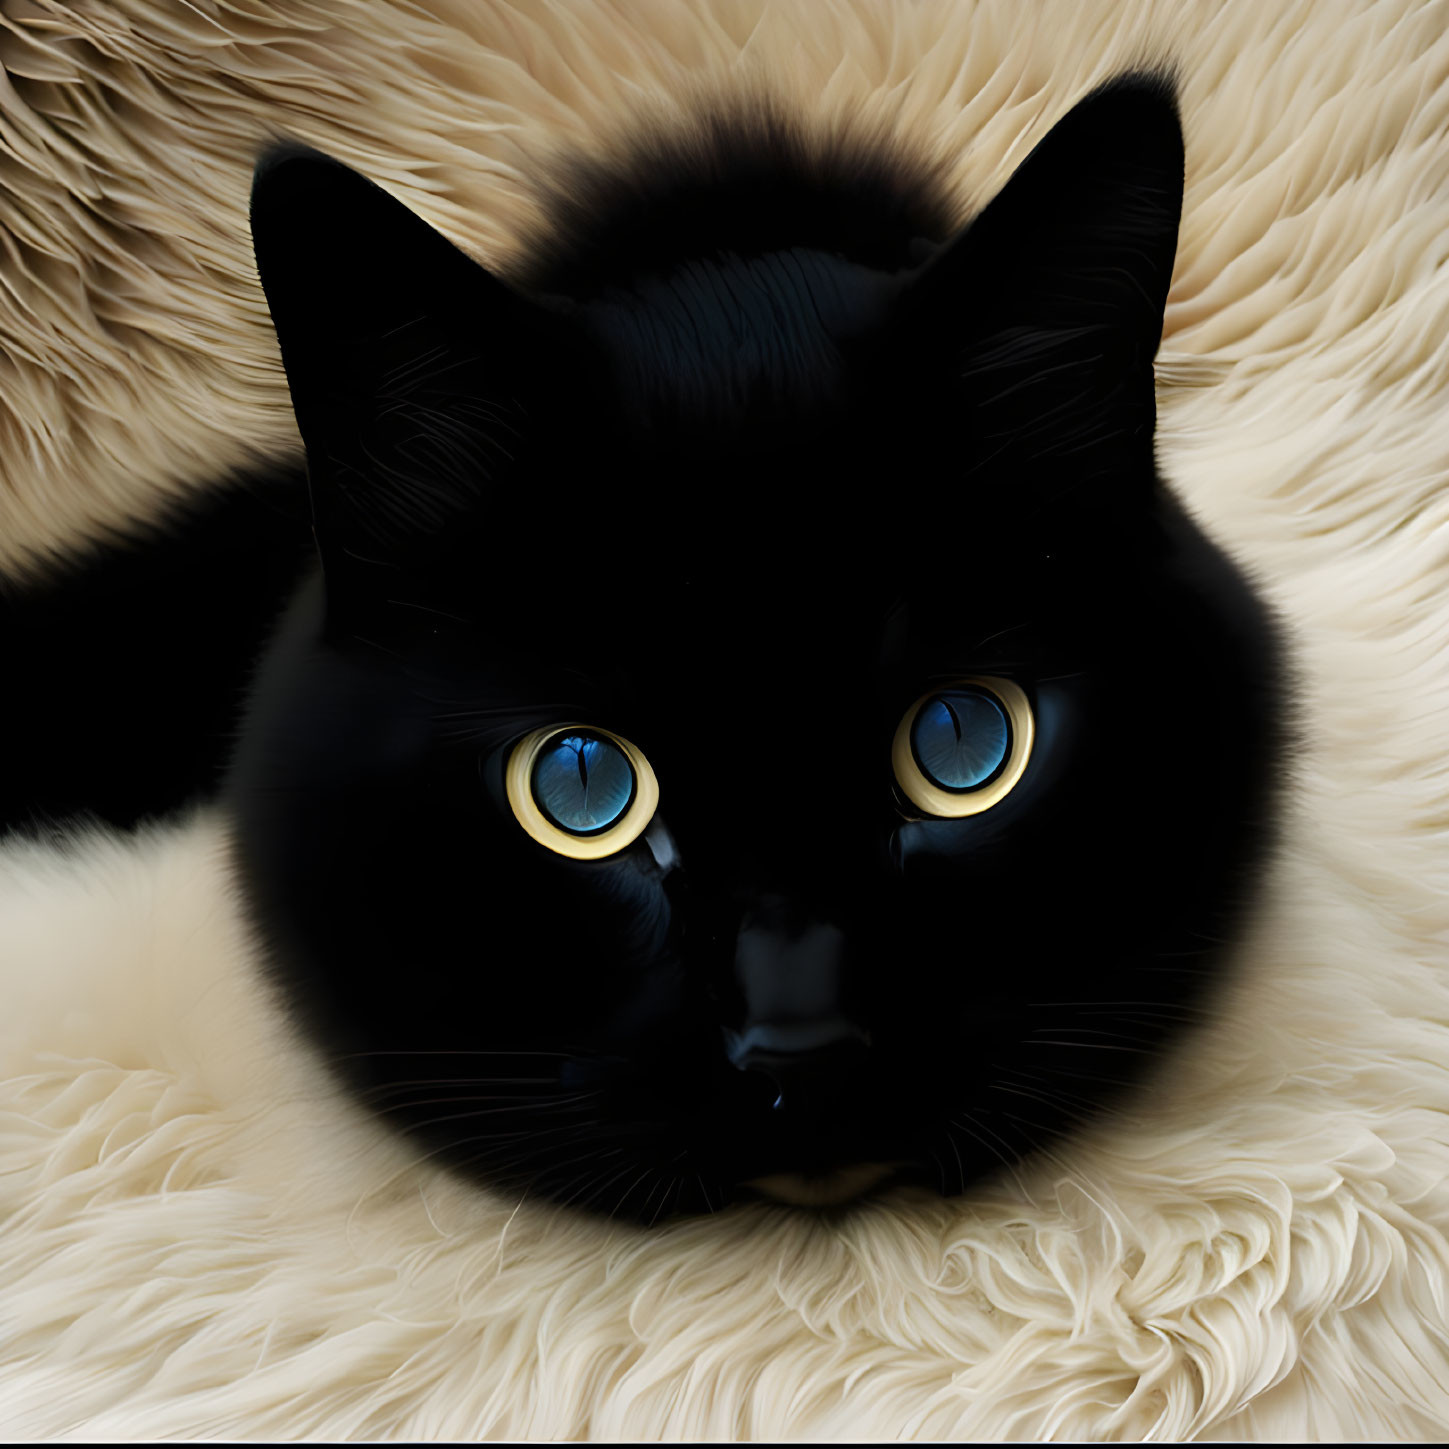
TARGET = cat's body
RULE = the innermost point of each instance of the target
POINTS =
(127, 667)
(749, 475)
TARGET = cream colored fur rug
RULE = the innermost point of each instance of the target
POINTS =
(201, 1238)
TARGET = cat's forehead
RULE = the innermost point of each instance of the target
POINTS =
(785, 560)
(733, 340)
(756, 611)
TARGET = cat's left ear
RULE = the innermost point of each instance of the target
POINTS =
(411, 367)
(1049, 306)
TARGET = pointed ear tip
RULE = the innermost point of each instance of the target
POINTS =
(277, 154)
(292, 181)
(1141, 94)
(289, 167)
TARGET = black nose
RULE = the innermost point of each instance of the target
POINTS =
(797, 1034)
(809, 1085)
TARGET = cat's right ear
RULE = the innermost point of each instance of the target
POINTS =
(1049, 306)
(410, 365)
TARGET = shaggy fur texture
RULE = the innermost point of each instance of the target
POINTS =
(200, 1237)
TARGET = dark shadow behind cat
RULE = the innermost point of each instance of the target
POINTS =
(759, 717)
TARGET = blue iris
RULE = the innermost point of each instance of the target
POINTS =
(960, 738)
(583, 782)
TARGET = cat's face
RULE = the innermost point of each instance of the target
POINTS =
(763, 720)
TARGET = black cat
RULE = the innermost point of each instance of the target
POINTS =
(759, 718)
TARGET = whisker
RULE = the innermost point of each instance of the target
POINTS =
(624, 1196)
(493, 1161)
(1059, 1104)
(613, 1152)
(1005, 1161)
(1112, 1005)
(1072, 1170)
(960, 1165)
(672, 1194)
(406, 1167)
(521, 1053)
(1096, 1046)
(490, 1111)
(940, 1168)
(535, 1104)
(1056, 1071)
(709, 1206)
(383, 1089)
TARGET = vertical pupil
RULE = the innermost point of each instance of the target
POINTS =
(955, 718)
(583, 782)
(961, 738)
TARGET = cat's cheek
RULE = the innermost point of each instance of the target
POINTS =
(619, 905)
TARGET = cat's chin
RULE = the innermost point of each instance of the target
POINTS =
(833, 1188)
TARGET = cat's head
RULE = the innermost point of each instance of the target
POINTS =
(761, 717)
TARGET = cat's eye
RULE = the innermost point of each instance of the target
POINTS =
(962, 748)
(580, 790)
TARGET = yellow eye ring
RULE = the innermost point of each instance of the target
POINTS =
(930, 797)
(518, 780)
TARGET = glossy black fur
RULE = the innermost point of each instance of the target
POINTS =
(127, 667)
(750, 453)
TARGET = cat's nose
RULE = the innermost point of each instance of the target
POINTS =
(797, 1033)
(805, 1084)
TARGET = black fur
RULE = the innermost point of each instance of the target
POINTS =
(126, 667)
(747, 455)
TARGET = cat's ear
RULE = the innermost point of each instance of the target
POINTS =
(409, 364)
(1050, 303)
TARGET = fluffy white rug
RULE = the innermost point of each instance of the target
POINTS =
(200, 1238)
